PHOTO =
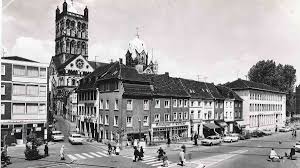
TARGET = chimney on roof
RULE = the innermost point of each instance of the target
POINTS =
(120, 60)
(167, 73)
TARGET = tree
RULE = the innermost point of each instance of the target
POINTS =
(282, 77)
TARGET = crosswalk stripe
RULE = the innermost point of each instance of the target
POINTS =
(150, 160)
(82, 157)
(72, 157)
(149, 157)
(85, 154)
(102, 154)
(154, 162)
(157, 164)
(92, 153)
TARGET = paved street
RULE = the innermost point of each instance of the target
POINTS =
(247, 153)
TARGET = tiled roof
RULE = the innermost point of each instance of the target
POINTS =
(137, 89)
(168, 86)
(240, 84)
(96, 65)
(62, 66)
(228, 93)
(197, 89)
(214, 91)
(17, 58)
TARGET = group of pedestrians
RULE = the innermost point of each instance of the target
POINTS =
(138, 154)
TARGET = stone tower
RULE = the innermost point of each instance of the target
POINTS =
(71, 35)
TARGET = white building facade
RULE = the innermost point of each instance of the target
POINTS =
(264, 107)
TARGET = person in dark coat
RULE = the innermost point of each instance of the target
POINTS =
(196, 139)
(136, 153)
(46, 149)
(292, 153)
(141, 153)
(169, 141)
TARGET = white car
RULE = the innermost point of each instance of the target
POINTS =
(297, 146)
(231, 138)
(285, 129)
(57, 136)
(211, 140)
(75, 139)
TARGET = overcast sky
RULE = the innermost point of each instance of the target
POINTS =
(217, 39)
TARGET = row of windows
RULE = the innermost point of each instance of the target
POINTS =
(26, 108)
(28, 71)
(206, 116)
(27, 90)
(265, 107)
(69, 82)
(105, 104)
(87, 110)
(177, 116)
(261, 120)
(128, 120)
(265, 96)
(88, 95)
(176, 103)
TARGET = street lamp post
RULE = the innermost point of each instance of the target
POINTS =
(140, 124)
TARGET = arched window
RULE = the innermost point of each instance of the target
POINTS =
(68, 23)
(83, 26)
(78, 47)
(79, 26)
(73, 24)
(73, 82)
(83, 48)
(68, 46)
(61, 81)
(72, 47)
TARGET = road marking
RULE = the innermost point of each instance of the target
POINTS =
(72, 157)
(209, 161)
(102, 154)
(149, 160)
(82, 157)
(92, 153)
(85, 154)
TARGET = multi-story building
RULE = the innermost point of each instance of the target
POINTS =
(263, 105)
(232, 109)
(170, 108)
(23, 99)
(70, 62)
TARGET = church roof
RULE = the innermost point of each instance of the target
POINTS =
(137, 45)
(17, 58)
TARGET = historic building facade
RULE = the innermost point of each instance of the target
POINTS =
(23, 99)
(70, 62)
(263, 106)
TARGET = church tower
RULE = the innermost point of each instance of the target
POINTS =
(71, 35)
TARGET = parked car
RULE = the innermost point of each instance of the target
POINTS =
(75, 139)
(57, 136)
(257, 133)
(245, 135)
(231, 138)
(297, 146)
(211, 140)
(267, 132)
(285, 129)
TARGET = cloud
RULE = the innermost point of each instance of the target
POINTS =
(35, 49)
(105, 52)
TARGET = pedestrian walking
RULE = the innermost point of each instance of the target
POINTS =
(169, 141)
(165, 160)
(109, 150)
(46, 150)
(295, 133)
(141, 153)
(181, 157)
(196, 139)
(62, 152)
(276, 128)
(135, 153)
(117, 149)
(292, 153)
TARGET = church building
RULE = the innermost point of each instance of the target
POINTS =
(70, 62)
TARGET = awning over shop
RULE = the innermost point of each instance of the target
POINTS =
(211, 126)
(222, 124)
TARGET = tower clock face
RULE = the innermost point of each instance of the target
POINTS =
(79, 63)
